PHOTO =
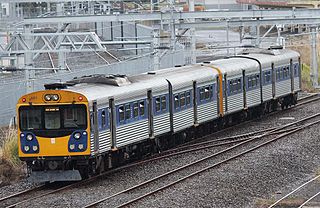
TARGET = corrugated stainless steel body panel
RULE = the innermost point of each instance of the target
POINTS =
(235, 103)
(267, 92)
(296, 84)
(104, 142)
(253, 97)
(92, 144)
(283, 88)
(182, 119)
(207, 111)
(133, 132)
(161, 124)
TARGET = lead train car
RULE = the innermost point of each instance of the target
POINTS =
(72, 130)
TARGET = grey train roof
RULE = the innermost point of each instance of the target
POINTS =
(179, 76)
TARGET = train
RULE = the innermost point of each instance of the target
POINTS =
(73, 130)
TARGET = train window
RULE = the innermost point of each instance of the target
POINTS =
(73, 117)
(157, 104)
(103, 118)
(201, 91)
(211, 91)
(30, 119)
(253, 81)
(163, 103)
(288, 71)
(135, 110)
(267, 76)
(121, 113)
(188, 98)
(182, 99)
(207, 93)
(230, 86)
(141, 108)
(176, 101)
(128, 111)
(257, 79)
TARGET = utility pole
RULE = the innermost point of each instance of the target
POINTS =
(314, 57)
(28, 60)
(156, 45)
(192, 35)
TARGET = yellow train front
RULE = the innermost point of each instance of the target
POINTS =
(54, 135)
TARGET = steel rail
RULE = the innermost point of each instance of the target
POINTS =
(292, 192)
(216, 164)
(209, 157)
(22, 193)
(306, 202)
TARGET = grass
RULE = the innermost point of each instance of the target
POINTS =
(11, 168)
(306, 79)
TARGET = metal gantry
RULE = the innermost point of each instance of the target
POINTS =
(174, 21)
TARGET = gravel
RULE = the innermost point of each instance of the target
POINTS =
(250, 181)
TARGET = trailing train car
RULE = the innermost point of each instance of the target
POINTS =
(72, 130)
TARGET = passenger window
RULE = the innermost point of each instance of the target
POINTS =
(182, 99)
(239, 84)
(235, 86)
(103, 117)
(135, 110)
(121, 113)
(253, 81)
(128, 111)
(176, 101)
(141, 107)
(158, 104)
(211, 91)
(202, 94)
(188, 98)
(207, 93)
(163, 103)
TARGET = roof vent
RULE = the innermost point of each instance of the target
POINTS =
(275, 47)
(112, 79)
(56, 86)
(151, 72)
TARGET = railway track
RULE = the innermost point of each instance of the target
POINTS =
(257, 141)
(299, 195)
(23, 197)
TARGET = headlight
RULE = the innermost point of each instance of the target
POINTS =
(72, 146)
(29, 137)
(26, 148)
(77, 135)
(84, 133)
(80, 146)
(22, 134)
(35, 148)
(55, 97)
(47, 97)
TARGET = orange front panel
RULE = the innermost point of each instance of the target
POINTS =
(53, 146)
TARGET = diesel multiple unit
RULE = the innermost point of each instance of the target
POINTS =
(75, 129)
